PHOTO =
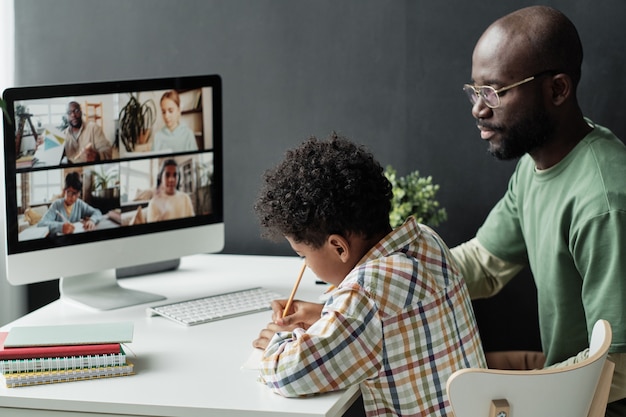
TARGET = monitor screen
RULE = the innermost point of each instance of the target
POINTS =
(99, 176)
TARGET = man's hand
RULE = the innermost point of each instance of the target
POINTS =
(91, 154)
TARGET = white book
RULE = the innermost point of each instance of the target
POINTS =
(70, 334)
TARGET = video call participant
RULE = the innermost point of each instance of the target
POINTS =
(168, 201)
(174, 136)
(84, 142)
(70, 209)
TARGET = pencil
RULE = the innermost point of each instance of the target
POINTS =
(63, 217)
(293, 292)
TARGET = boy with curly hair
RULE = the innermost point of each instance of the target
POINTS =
(400, 320)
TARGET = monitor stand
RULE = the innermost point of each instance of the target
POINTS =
(101, 291)
(151, 268)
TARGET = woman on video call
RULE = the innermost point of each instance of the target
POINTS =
(168, 202)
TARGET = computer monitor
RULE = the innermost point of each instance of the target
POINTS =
(138, 182)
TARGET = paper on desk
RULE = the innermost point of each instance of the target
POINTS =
(79, 227)
(254, 360)
(33, 233)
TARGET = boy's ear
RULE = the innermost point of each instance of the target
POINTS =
(340, 246)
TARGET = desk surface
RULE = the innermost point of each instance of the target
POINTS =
(182, 371)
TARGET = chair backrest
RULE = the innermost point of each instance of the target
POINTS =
(567, 391)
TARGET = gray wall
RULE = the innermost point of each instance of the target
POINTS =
(385, 73)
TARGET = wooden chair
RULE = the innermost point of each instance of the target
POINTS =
(578, 390)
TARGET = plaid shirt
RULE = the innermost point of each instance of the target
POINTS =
(399, 324)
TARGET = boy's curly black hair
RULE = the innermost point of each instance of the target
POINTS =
(322, 188)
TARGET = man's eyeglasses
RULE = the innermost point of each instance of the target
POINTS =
(75, 111)
(491, 96)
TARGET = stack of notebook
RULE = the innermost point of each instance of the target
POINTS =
(48, 354)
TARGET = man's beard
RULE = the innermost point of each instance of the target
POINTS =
(524, 136)
(76, 124)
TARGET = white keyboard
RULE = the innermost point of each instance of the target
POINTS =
(216, 307)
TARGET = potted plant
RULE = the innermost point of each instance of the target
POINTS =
(135, 122)
(105, 181)
(414, 195)
(3, 105)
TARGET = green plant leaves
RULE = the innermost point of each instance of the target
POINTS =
(3, 105)
(414, 195)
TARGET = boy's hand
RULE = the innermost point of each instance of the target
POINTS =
(67, 229)
(301, 314)
(266, 335)
(88, 224)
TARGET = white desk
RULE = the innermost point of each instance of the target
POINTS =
(181, 371)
